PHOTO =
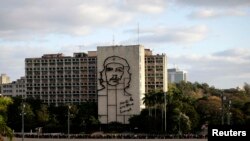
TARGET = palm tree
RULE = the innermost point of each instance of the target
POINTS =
(4, 129)
(148, 101)
(153, 100)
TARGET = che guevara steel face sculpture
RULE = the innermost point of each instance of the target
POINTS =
(116, 76)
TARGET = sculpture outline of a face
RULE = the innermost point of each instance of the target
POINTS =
(116, 71)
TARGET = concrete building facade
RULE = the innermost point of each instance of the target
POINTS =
(58, 79)
(121, 85)
(155, 72)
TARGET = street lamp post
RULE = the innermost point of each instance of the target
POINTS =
(228, 112)
(223, 98)
(69, 121)
(179, 130)
(165, 112)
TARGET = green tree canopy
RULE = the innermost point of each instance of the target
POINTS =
(4, 129)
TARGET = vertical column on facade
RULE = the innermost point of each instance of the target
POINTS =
(33, 81)
(78, 82)
(87, 78)
(80, 79)
(40, 80)
(146, 74)
(154, 72)
(64, 79)
(71, 80)
(49, 83)
(56, 81)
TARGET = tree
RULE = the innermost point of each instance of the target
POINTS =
(4, 129)
(209, 109)
(86, 118)
(43, 115)
(237, 117)
(191, 113)
(29, 116)
(148, 101)
(247, 88)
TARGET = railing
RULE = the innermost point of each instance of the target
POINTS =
(111, 136)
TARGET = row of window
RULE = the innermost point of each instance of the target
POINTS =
(59, 68)
(61, 92)
(61, 60)
(60, 76)
(69, 100)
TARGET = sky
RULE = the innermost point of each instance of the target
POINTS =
(207, 38)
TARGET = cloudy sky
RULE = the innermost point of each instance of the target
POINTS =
(208, 38)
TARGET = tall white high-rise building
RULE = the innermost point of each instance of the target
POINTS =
(175, 75)
(4, 79)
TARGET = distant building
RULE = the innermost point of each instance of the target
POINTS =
(4, 79)
(15, 88)
(175, 75)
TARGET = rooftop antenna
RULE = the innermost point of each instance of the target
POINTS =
(138, 33)
(80, 47)
(113, 39)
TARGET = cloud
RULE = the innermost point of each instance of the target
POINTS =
(215, 3)
(235, 52)
(12, 58)
(26, 19)
(228, 68)
(210, 13)
(146, 6)
(163, 34)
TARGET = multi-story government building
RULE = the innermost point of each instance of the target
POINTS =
(58, 79)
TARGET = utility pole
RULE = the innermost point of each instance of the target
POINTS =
(138, 34)
(23, 106)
